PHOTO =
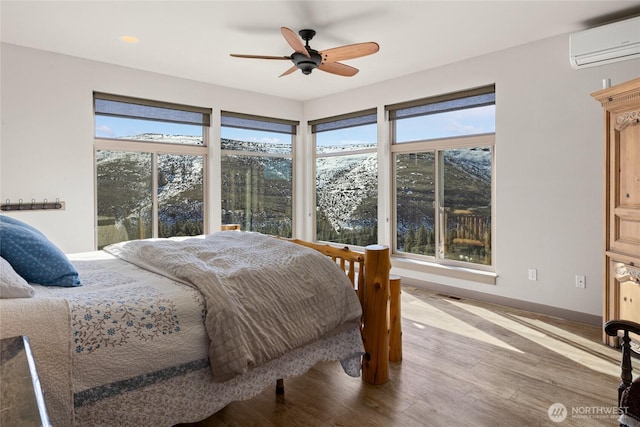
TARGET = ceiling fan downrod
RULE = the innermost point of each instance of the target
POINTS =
(305, 64)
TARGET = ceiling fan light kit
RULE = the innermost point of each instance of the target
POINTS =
(307, 59)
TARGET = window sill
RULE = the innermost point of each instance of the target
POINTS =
(460, 273)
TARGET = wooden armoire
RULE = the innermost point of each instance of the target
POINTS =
(621, 104)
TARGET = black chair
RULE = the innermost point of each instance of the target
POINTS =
(628, 391)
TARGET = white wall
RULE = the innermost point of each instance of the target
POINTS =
(549, 156)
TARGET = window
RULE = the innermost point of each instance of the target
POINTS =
(346, 169)
(150, 168)
(443, 171)
(257, 173)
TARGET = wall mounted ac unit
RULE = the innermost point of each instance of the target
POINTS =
(608, 43)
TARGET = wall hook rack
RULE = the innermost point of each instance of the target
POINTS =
(31, 206)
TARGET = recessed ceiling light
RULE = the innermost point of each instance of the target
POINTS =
(128, 39)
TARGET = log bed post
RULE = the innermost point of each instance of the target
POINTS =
(375, 316)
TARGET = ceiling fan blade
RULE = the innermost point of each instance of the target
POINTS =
(294, 41)
(338, 68)
(289, 71)
(237, 55)
(349, 52)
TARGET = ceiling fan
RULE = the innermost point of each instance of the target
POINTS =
(307, 59)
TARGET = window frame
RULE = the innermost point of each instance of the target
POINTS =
(437, 145)
(155, 149)
(327, 124)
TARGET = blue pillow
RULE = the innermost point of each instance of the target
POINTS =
(34, 257)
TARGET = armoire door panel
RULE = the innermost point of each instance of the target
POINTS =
(625, 185)
(626, 232)
(628, 166)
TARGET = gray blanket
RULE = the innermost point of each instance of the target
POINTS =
(263, 296)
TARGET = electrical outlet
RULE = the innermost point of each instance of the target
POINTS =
(533, 274)
(581, 281)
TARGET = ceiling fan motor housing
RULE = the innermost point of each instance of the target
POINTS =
(306, 65)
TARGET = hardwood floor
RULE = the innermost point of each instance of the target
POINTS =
(465, 363)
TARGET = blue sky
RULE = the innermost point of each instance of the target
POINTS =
(454, 123)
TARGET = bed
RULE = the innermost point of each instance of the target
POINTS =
(138, 333)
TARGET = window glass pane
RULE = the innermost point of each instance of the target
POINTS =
(471, 121)
(257, 175)
(180, 195)
(148, 130)
(347, 184)
(415, 201)
(257, 193)
(124, 194)
(347, 199)
(467, 204)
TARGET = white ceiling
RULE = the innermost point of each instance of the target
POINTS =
(193, 39)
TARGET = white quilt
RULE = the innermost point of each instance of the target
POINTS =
(263, 296)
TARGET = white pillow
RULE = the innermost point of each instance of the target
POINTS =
(12, 285)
